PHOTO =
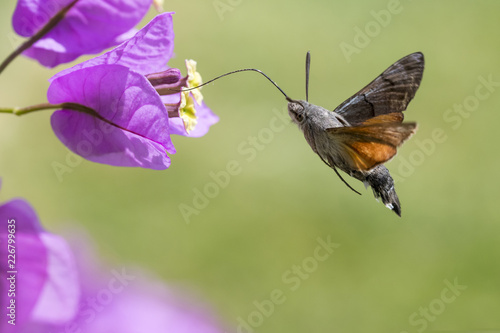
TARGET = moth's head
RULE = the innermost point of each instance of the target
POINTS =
(297, 111)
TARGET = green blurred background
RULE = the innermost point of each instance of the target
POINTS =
(244, 244)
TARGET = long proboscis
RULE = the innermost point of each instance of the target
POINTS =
(242, 70)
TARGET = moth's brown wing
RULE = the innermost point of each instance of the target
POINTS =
(390, 92)
(395, 117)
(366, 146)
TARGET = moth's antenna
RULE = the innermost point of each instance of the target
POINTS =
(308, 65)
(242, 70)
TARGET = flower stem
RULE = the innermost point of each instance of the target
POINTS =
(47, 106)
(68, 106)
(42, 32)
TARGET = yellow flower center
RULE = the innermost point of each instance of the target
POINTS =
(187, 112)
(194, 80)
(187, 109)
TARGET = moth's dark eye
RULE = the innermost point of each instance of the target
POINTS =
(299, 117)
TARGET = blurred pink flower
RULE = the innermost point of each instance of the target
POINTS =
(58, 290)
(38, 277)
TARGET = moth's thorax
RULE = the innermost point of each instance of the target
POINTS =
(314, 121)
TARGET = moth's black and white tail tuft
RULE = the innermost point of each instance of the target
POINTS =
(382, 185)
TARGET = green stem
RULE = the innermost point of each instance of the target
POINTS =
(47, 106)
(67, 106)
(27, 44)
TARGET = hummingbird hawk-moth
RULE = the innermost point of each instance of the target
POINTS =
(363, 132)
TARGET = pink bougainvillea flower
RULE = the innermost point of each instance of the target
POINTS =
(54, 288)
(89, 27)
(133, 94)
(166, 311)
(38, 275)
(131, 125)
(129, 300)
